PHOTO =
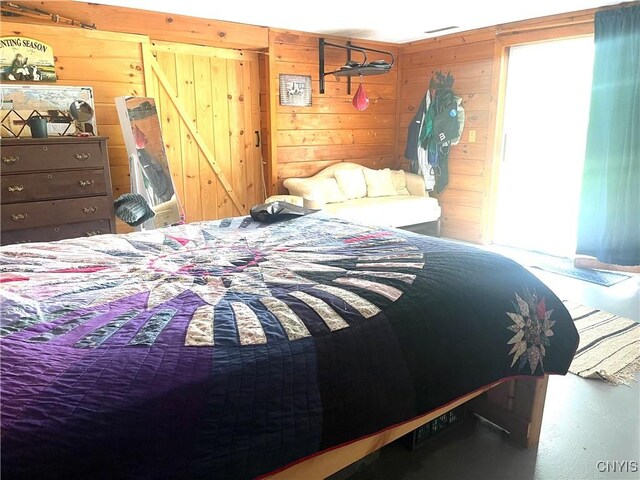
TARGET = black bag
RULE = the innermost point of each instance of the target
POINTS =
(133, 209)
(279, 210)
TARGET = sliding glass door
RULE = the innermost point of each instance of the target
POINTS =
(545, 125)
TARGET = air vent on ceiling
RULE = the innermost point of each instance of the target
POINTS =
(442, 29)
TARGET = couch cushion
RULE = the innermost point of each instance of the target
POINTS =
(321, 190)
(391, 211)
(379, 183)
(351, 182)
(399, 180)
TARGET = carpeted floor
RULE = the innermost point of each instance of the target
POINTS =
(609, 345)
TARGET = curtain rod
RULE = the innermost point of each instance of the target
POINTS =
(578, 18)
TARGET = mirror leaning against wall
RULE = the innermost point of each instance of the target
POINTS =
(150, 175)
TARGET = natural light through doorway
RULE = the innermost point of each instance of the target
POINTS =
(545, 125)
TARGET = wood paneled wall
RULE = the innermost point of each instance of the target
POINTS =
(308, 139)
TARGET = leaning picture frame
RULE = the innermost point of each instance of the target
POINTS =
(18, 103)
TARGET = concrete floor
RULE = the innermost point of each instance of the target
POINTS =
(589, 427)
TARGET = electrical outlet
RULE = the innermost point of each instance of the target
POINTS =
(472, 136)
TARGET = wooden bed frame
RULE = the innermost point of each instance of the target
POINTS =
(516, 405)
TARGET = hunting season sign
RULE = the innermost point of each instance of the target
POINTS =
(25, 59)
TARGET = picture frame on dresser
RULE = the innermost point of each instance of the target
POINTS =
(54, 188)
(19, 103)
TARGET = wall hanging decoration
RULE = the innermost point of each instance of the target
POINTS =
(436, 126)
(20, 103)
(24, 59)
(295, 90)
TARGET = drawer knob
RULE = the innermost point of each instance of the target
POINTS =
(86, 183)
(89, 210)
(19, 217)
(82, 156)
(93, 232)
(15, 188)
(10, 160)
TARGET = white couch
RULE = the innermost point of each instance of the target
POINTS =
(390, 198)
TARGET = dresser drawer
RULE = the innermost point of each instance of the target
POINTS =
(20, 216)
(29, 187)
(60, 232)
(28, 158)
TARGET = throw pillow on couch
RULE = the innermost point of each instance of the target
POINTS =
(352, 183)
(320, 191)
(399, 180)
(379, 183)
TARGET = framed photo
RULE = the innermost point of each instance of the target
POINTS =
(295, 90)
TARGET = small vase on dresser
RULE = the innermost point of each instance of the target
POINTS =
(54, 188)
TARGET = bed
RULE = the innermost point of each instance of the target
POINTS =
(235, 349)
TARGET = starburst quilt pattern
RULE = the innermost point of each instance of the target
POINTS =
(532, 327)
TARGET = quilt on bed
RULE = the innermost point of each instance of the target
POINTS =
(229, 349)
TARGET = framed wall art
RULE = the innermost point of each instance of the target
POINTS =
(295, 90)
(18, 103)
(24, 59)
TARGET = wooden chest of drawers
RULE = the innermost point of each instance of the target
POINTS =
(54, 188)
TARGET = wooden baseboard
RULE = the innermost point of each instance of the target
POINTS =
(591, 262)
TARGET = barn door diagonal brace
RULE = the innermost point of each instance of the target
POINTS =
(184, 115)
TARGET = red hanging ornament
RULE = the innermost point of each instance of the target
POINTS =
(360, 99)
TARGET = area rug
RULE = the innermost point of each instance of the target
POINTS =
(560, 265)
(609, 346)
(564, 266)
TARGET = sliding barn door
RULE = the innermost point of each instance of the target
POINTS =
(208, 102)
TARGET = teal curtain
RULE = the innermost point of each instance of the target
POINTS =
(609, 218)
